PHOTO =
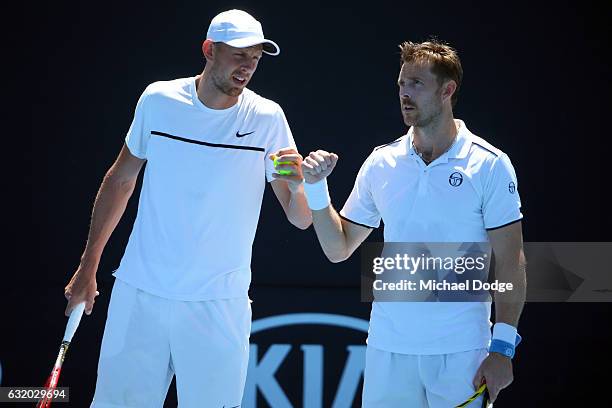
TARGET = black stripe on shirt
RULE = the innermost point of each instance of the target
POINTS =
(198, 142)
(502, 226)
(387, 144)
(496, 154)
(356, 223)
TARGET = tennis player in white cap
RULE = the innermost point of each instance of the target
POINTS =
(179, 305)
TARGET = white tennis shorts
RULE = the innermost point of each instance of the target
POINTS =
(149, 339)
(393, 380)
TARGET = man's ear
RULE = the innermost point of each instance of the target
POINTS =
(207, 49)
(448, 89)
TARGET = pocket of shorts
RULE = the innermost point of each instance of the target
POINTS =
(248, 318)
(118, 319)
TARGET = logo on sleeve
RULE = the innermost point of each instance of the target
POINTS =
(455, 179)
(512, 187)
(238, 134)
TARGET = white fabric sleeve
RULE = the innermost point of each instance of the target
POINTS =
(280, 137)
(360, 207)
(138, 135)
(501, 203)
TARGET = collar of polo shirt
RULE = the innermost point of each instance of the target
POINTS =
(458, 149)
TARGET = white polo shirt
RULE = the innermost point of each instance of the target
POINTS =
(468, 190)
(202, 191)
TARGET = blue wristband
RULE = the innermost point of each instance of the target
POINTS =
(503, 347)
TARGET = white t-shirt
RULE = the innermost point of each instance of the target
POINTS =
(202, 191)
(421, 203)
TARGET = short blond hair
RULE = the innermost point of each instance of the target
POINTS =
(444, 60)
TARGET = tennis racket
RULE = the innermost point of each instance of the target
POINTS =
(482, 390)
(51, 384)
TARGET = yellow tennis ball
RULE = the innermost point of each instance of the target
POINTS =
(282, 172)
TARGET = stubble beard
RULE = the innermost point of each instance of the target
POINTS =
(426, 119)
(225, 86)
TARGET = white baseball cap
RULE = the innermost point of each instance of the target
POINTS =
(239, 29)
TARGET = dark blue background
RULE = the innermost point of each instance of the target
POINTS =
(536, 85)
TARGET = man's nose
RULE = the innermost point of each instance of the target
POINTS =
(249, 65)
(405, 97)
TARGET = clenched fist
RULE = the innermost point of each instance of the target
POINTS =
(82, 288)
(318, 165)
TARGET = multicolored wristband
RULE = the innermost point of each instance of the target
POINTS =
(505, 339)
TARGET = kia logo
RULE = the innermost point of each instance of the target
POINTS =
(262, 369)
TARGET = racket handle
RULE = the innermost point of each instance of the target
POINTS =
(73, 321)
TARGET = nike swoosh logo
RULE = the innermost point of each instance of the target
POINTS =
(243, 134)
